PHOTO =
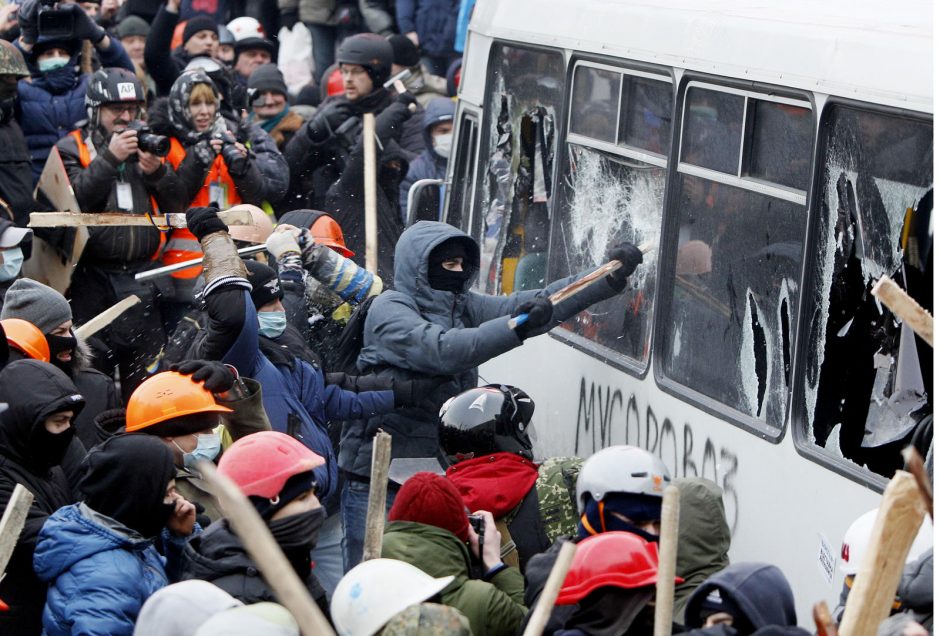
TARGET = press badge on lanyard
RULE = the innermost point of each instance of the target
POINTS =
(218, 194)
(125, 197)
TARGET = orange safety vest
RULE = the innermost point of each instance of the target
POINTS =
(84, 158)
(183, 245)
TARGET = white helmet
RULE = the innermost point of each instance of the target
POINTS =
(625, 469)
(859, 534)
(259, 230)
(245, 27)
(374, 591)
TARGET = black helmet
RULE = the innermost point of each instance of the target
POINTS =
(370, 51)
(488, 419)
(110, 85)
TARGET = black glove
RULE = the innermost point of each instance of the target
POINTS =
(85, 28)
(204, 221)
(389, 122)
(27, 16)
(419, 392)
(289, 17)
(539, 310)
(328, 119)
(215, 376)
(630, 256)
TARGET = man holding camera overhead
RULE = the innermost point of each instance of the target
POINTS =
(115, 164)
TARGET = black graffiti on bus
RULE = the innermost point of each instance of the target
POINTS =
(605, 417)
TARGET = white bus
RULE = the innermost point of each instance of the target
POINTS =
(779, 156)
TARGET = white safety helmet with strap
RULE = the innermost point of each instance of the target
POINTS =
(245, 27)
(858, 536)
(259, 230)
(374, 591)
(626, 469)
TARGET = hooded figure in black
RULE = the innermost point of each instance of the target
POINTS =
(30, 455)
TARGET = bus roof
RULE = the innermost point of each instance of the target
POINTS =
(869, 50)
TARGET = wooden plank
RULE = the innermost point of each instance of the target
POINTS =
(372, 227)
(103, 219)
(904, 307)
(105, 318)
(546, 602)
(378, 489)
(914, 464)
(12, 522)
(666, 571)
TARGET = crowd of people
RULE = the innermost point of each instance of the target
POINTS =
(281, 366)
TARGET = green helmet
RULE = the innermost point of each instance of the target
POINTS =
(11, 60)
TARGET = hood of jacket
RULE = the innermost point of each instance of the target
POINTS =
(33, 390)
(704, 536)
(496, 483)
(760, 590)
(76, 532)
(435, 551)
(411, 264)
(437, 110)
(215, 553)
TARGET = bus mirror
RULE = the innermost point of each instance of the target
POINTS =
(414, 198)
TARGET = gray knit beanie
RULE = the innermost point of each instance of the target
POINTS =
(32, 301)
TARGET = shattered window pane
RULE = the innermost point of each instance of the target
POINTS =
(610, 199)
(646, 117)
(781, 144)
(868, 378)
(735, 294)
(711, 130)
(526, 93)
(594, 101)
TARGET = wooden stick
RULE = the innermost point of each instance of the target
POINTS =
(914, 464)
(12, 522)
(904, 307)
(899, 518)
(546, 602)
(372, 227)
(265, 553)
(666, 572)
(105, 318)
(401, 90)
(825, 626)
(76, 219)
(378, 491)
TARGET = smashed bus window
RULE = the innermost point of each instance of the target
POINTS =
(866, 391)
(525, 93)
(738, 250)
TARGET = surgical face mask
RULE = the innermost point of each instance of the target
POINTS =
(208, 447)
(442, 144)
(12, 263)
(52, 63)
(272, 324)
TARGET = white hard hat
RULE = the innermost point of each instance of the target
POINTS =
(245, 27)
(858, 536)
(626, 469)
(259, 230)
(374, 591)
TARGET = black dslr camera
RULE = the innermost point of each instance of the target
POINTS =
(237, 162)
(54, 22)
(148, 141)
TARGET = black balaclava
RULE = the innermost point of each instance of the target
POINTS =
(611, 611)
(126, 478)
(58, 344)
(446, 280)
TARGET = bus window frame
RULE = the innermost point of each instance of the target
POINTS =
(670, 231)
(466, 115)
(596, 350)
(803, 443)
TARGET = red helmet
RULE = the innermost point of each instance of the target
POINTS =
(261, 463)
(334, 83)
(619, 559)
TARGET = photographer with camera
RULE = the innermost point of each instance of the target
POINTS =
(53, 100)
(114, 165)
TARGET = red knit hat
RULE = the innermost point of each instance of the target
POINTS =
(433, 500)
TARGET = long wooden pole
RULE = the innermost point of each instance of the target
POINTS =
(899, 518)
(904, 307)
(378, 490)
(11, 525)
(546, 602)
(372, 227)
(266, 554)
(666, 572)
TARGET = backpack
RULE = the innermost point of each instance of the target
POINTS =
(557, 491)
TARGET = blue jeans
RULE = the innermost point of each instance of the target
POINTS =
(354, 504)
(325, 40)
(327, 555)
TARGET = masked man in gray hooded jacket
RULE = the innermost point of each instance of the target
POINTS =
(432, 324)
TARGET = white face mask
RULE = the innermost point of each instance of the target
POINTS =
(442, 144)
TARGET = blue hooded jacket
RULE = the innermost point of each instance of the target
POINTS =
(759, 589)
(429, 164)
(415, 331)
(435, 22)
(100, 572)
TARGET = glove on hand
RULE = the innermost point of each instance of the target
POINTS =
(28, 18)
(419, 392)
(204, 221)
(540, 311)
(215, 376)
(280, 243)
(389, 122)
(85, 28)
(327, 120)
(630, 256)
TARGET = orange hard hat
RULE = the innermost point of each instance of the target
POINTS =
(326, 231)
(26, 337)
(334, 83)
(261, 463)
(166, 396)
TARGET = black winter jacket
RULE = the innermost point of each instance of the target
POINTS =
(163, 65)
(16, 177)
